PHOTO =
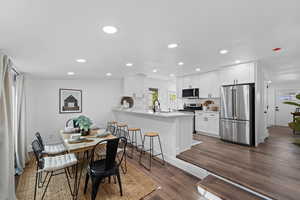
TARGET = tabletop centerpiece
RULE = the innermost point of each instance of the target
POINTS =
(84, 124)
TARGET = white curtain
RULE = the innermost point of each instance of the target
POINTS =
(20, 125)
(7, 169)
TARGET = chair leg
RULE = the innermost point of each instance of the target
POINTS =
(68, 180)
(86, 182)
(36, 181)
(47, 185)
(119, 180)
(151, 150)
(162, 154)
(96, 183)
(124, 168)
(142, 150)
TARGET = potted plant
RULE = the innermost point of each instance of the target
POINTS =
(84, 124)
(295, 125)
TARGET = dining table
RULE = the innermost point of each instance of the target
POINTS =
(81, 149)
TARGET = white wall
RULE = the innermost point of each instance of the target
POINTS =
(260, 119)
(98, 98)
(138, 86)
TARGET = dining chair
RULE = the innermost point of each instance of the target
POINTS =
(113, 130)
(99, 169)
(51, 149)
(53, 166)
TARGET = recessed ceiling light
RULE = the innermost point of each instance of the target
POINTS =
(108, 74)
(71, 73)
(129, 64)
(109, 29)
(172, 46)
(154, 70)
(81, 60)
(237, 61)
(198, 69)
(180, 63)
(172, 75)
(223, 51)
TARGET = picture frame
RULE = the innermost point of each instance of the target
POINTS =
(70, 101)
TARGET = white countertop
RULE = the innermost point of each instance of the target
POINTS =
(157, 114)
(207, 111)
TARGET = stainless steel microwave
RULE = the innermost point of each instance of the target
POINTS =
(190, 93)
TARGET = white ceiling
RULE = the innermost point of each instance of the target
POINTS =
(44, 38)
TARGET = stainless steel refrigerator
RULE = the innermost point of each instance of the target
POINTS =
(237, 117)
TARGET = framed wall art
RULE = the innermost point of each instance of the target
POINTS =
(70, 101)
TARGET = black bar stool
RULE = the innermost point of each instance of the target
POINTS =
(133, 133)
(151, 135)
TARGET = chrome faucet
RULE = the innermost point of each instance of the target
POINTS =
(156, 108)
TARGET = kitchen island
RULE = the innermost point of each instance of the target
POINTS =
(175, 129)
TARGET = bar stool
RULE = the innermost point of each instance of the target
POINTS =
(122, 130)
(112, 127)
(151, 135)
(112, 123)
(134, 143)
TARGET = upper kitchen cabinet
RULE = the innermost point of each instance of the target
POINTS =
(208, 84)
(242, 73)
(187, 82)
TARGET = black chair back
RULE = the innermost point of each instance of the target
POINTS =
(111, 152)
(37, 150)
(40, 140)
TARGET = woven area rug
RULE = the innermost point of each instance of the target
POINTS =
(136, 185)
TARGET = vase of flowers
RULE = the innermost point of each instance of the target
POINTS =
(84, 124)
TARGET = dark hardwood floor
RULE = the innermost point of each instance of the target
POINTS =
(271, 169)
(174, 183)
(224, 190)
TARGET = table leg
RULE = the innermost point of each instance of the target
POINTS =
(79, 166)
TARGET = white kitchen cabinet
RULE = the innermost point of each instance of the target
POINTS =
(208, 84)
(201, 123)
(187, 82)
(207, 122)
(242, 73)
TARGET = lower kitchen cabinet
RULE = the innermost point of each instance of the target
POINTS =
(207, 122)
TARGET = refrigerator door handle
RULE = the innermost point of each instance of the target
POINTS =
(233, 103)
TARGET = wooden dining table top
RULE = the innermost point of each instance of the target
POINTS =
(91, 141)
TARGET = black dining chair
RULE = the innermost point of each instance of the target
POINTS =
(113, 130)
(99, 169)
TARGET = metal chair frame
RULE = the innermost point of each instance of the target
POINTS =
(37, 149)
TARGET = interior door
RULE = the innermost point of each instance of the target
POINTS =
(242, 102)
(226, 103)
(282, 111)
